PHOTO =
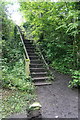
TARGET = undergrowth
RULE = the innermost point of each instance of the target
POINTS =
(15, 101)
(14, 80)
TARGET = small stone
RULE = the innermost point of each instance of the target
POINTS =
(35, 104)
(34, 110)
(56, 116)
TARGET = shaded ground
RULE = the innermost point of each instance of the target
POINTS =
(57, 100)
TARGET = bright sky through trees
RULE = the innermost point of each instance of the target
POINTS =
(15, 14)
(13, 10)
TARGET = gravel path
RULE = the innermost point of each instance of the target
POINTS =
(58, 100)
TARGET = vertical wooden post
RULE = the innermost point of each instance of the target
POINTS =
(27, 63)
(27, 70)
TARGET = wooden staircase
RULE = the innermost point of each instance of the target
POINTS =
(38, 71)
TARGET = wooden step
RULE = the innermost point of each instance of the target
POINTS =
(40, 78)
(37, 69)
(42, 83)
(38, 74)
(36, 65)
(29, 47)
(31, 50)
(32, 54)
(28, 41)
(36, 61)
(34, 57)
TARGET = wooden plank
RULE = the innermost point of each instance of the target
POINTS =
(42, 83)
(23, 44)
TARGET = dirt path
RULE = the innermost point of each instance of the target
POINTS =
(58, 100)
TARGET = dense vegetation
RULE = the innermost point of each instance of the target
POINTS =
(13, 63)
(56, 28)
(16, 87)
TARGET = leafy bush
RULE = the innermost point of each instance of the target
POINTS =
(75, 82)
(13, 71)
(13, 68)
(16, 78)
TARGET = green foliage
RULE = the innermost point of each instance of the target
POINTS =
(16, 78)
(56, 27)
(75, 82)
(7, 25)
(17, 89)
(12, 50)
(14, 101)
(13, 64)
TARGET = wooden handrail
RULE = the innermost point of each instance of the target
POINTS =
(26, 56)
(47, 66)
(21, 36)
